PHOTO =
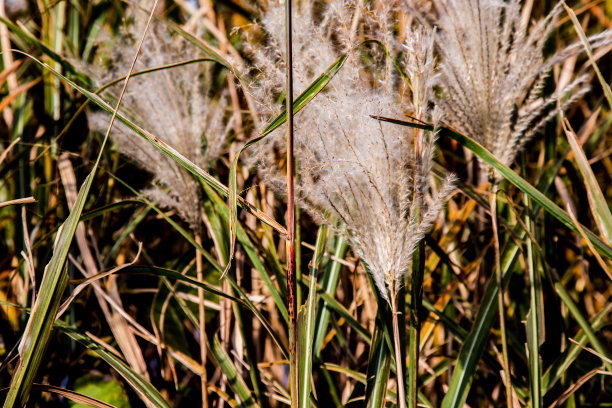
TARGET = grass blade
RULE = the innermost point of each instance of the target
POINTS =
(589, 51)
(560, 366)
(328, 286)
(235, 380)
(379, 369)
(535, 320)
(583, 323)
(306, 324)
(249, 248)
(144, 388)
(512, 177)
(597, 201)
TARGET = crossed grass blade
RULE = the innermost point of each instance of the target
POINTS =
(40, 323)
(143, 387)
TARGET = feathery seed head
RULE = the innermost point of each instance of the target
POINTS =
(351, 167)
(493, 71)
(174, 105)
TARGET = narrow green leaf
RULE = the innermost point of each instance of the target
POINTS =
(583, 323)
(38, 330)
(209, 50)
(564, 361)
(251, 252)
(597, 201)
(108, 208)
(145, 390)
(329, 285)
(512, 177)
(535, 319)
(174, 275)
(234, 379)
(342, 312)
(379, 369)
(306, 324)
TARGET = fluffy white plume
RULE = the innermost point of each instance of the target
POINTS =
(173, 104)
(351, 167)
(493, 71)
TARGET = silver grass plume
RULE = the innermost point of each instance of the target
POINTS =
(173, 104)
(493, 71)
(350, 166)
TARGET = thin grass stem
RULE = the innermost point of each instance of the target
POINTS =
(291, 278)
(399, 362)
(500, 294)
(414, 340)
(202, 323)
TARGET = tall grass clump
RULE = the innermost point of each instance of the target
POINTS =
(176, 104)
(372, 177)
(493, 76)
(147, 264)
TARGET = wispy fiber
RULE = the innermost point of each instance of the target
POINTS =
(351, 167)
(175, 105)
(493, 72)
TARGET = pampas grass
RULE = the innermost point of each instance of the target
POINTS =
(407, 314)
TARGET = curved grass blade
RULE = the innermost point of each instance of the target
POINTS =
(589, 51)
(249, 248)
(144, 388)
(512, 177)
(379, 369)
(209, 50)
(343, 312)
(72, 396)
(169, 273)
(584, 324)
(560, 366)
(306, 324)
(108, 208)
(597, 201)
(235, 380)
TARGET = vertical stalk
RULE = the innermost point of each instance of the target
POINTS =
(291, 278)
(298, 255)
(500, 293)
(416, 299)
(399, 362)
(418, 266)
(202, 323)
